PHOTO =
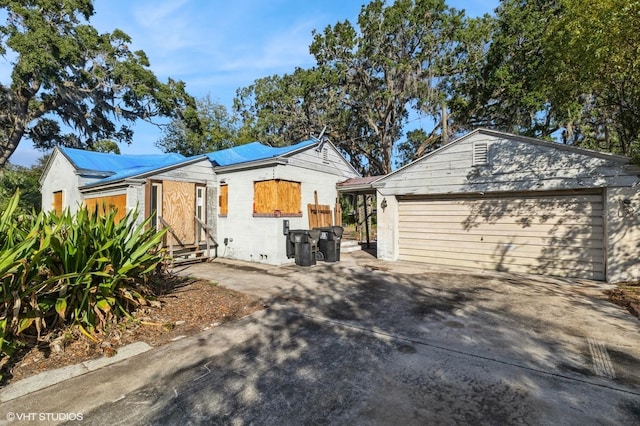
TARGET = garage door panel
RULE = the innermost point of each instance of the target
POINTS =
(504, 229)
(555, 234)
(585, 204)
(514, 249)
(577, 239)
(529, 255)
(528, 220)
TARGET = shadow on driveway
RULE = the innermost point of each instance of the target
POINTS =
(364, 342)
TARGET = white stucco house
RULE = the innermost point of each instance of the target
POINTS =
(495, 201)
(238, 197)
(489, 201)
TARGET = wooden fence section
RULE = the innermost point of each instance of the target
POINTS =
(319, 215)
(105, 204)
(337, 213)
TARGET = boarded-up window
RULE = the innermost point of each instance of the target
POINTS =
(277, 197)
(112, 202)
(57, 202)
(223, 200)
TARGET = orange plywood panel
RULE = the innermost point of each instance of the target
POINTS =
(178, 208)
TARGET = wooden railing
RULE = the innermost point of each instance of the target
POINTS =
(201, 226)
(173, 234)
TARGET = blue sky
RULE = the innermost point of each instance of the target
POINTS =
(216, 47)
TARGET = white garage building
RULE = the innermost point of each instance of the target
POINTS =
(495, 201)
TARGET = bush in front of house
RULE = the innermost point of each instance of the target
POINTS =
(82, 269)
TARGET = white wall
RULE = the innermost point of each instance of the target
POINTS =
(623, 229)
(387, 227)
(60, 176)
(261, 239)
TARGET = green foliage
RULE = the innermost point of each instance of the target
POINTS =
(504, 88)
(25, 179)
(364, 83)
(281, 110)
(211, 129)
(82, 269)
(416, 144)
(546, 68)
(64, 68)
(106, 145)
(592, 52)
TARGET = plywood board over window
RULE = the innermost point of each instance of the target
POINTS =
(277, 197)
(57, 202)
(223, 200)
(178, 208)
(107, 204)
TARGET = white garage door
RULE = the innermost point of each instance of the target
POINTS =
(558, 235)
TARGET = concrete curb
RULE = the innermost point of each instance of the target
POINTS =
(52, 377)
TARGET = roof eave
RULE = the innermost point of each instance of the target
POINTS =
(366, 187)
(251, 165)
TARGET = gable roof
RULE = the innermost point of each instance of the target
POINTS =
(498, 134)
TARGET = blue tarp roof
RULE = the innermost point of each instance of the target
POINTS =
(253, 151)
(112, 163)
(121, 166)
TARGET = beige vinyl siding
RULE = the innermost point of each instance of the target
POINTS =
(553, 234)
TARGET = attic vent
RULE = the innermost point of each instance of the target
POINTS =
(325, 155)
(480, 150)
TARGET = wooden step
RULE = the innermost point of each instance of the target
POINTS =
(186, 260)
(190, 253)
(349, 246)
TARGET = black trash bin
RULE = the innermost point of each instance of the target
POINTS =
(329, 243)
(302, 244)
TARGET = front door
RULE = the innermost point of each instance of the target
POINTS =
(178, 210)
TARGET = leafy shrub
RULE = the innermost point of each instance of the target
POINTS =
(82, 268)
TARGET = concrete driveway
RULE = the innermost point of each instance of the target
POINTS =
(369, 342)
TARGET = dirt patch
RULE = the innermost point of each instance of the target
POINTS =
(186, 307)
(627, 295)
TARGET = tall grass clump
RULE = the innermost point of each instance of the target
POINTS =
(83, 269)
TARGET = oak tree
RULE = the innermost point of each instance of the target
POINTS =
(215, 128)
(71, 85)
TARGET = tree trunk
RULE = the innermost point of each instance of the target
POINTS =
(7, 148)
(445, 124)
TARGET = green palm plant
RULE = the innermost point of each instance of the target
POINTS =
(83, 268)
(110, 262)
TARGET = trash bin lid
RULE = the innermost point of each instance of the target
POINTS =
(314, 234)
